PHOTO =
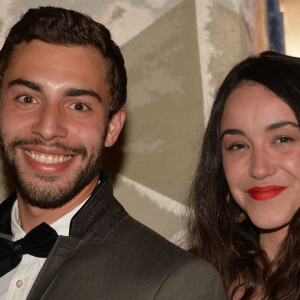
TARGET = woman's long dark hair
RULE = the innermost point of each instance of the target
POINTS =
(232, 247)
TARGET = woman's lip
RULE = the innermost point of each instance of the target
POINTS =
(265, 192)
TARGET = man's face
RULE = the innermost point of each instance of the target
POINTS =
(53, 121)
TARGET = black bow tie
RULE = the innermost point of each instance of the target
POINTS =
(37, 242)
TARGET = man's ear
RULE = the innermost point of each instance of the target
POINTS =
(115, 126)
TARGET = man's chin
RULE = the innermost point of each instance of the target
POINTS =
(46, 194)
(45, 179)
(54, 191)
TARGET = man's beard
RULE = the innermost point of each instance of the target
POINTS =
(50, 194)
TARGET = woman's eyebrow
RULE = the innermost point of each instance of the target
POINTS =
(232, 132)
(271, 127)
(280, 125)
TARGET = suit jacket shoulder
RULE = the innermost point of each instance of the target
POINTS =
(162, 270)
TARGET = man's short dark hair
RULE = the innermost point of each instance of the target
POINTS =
(67, 27)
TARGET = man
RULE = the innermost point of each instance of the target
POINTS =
(63, 90)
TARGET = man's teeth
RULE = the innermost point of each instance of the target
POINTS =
(48, 159)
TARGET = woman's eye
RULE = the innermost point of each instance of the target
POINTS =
(79, 106)
(237, 147)
(26, 99)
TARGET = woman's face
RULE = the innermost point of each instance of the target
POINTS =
(261, 155)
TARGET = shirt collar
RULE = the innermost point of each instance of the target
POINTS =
(61, 226)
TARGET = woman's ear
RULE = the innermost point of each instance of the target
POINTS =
(115, 126)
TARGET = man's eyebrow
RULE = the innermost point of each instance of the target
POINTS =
(69, 92)
(23, 82)
(82, 92)
(232, 132)
(281, 124)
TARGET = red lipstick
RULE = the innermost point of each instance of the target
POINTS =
(261, 193)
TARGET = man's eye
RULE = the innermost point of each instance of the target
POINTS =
(79, 106)
(26, 99)
(284, 139)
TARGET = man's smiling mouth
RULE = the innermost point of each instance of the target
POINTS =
(48, 159)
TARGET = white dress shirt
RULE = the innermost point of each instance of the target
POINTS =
(16, 284)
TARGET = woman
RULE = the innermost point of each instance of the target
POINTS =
(246, 193)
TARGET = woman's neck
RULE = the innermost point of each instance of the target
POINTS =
(270, 240)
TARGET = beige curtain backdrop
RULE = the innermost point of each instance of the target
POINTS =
(176, 53)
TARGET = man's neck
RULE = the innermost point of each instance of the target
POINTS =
(32, 216)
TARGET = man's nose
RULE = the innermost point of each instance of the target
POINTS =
(49, 123)
(261, 164)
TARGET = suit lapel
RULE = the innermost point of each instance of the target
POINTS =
(99, 215)
(62, 250)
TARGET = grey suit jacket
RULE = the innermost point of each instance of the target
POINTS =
(109, 255)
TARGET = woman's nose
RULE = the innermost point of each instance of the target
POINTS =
(261, 165)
